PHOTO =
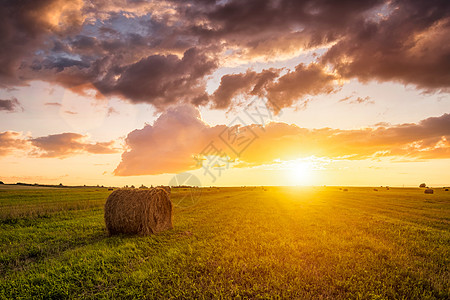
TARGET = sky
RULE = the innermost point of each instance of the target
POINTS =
(226, 93)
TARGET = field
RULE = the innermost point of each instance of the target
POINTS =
(297, 243)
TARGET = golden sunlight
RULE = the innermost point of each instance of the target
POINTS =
(299, 172)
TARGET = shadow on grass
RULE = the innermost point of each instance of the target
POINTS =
(37, 253)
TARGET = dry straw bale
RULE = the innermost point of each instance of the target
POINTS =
(138, 211)
(429, 191)
(166, 188)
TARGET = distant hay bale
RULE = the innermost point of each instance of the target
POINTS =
(429, 191)
(446, 190)
(345, 190)
(375, 190)
(110, 189)
(138, 211)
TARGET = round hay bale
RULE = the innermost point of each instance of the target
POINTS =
(345, 190)
(446, 190)
(429, 191)
(166, 188)
(138, 211)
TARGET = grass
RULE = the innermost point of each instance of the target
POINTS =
(39, 202)
(307, 243)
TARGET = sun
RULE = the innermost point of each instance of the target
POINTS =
(299, 172)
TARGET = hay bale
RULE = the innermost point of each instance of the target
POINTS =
(345, 190)
(375, 190)
(166, 188)
(429, 191)
(138, 211)
(446, 190)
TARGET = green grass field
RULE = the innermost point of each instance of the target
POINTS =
(292, 243)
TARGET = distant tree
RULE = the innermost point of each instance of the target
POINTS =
(143, 187)
(132, 186)
(60, 184)
(1, 182)
(422, 185)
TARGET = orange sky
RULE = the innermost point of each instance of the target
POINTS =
(236, 93)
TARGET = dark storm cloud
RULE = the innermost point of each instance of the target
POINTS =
(251, 83)
(253, 24)
(84, 42)
(281, 91)
(10, 105)
(23, 27)
(161, 80)
(411, 45)
(161, 52)
(61, 63)
(305, 80)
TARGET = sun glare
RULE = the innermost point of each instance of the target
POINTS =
(300, 173)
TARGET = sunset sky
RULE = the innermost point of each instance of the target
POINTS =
(280, 92)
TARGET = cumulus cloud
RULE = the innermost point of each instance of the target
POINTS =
(10, 105)
(168, 145)
(179, 136)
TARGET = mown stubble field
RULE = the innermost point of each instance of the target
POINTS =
(297, 243)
